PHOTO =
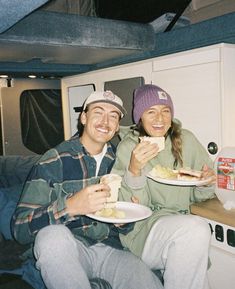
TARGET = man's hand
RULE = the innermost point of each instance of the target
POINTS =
(88, 200)
(141, 154)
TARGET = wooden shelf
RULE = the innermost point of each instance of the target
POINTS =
(214, 210)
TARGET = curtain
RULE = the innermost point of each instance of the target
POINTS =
(41, 119)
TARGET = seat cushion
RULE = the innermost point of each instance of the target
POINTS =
(8, 201)
(15, 169)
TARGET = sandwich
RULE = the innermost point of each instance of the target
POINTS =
(188, 174)
(110, 210)
(114, 182)
(159, 140)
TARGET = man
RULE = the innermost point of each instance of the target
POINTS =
(63, 187)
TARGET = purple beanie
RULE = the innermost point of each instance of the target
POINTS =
(147, 96)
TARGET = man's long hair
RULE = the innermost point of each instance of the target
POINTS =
(80, 126)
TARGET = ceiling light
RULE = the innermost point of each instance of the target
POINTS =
(3, 76)
(32, 76)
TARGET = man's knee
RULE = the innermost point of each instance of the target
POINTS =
(52, 237)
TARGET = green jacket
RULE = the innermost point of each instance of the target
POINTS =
(162, 199)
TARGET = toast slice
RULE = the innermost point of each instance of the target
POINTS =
(188, 174)
(159, 140)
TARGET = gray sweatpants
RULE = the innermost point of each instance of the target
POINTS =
(179, 245)
(66, 263)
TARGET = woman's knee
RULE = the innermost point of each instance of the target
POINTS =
(199, 228)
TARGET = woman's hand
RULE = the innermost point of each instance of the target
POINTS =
(141, 154)
(208, 173)
(89, 200)
(135, 200)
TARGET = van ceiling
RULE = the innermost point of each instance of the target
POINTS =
(56, 38)
(37, 39)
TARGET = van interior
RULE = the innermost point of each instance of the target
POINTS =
(54, 53)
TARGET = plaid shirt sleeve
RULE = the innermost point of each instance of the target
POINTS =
(42, 202)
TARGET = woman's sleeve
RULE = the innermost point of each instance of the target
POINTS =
(131, 185)
(199, 158)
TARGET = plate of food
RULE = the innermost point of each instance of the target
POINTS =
(180, 177)
(123, 212)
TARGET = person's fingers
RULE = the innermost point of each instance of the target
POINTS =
(205, 167)
(135, 200)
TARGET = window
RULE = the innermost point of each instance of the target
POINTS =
(41, 119)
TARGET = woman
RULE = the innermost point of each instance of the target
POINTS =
(171, 240)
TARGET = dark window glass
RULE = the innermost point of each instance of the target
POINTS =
(41, 119)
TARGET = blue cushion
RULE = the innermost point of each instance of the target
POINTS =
(32, 275)
(15, 169)
(3, 200)
(5, 219)
(8, 202)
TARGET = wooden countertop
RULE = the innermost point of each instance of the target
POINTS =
(214, 210)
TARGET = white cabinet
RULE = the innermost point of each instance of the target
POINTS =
(202, 85)
(201, 82)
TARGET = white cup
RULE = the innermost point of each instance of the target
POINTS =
(114, 182)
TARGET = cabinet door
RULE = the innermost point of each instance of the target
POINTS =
(76, 97)
(195, 91)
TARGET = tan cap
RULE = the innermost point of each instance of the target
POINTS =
(106, 96)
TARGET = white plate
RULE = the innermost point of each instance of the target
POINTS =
(133, 212)
(176, 182)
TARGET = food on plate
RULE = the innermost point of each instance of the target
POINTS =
(188, 174)
(183, 174)
(111, 213)
(159, 140)
(114, 182)
(163, 172)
